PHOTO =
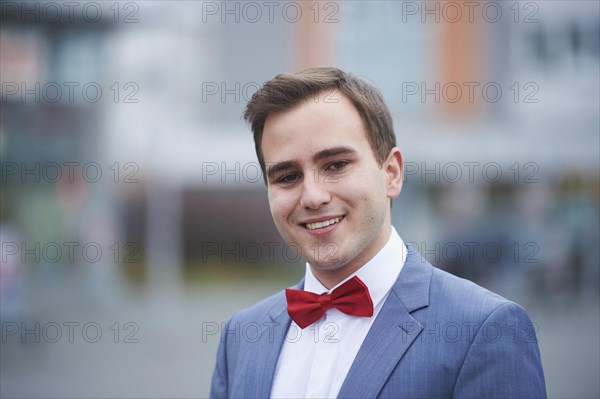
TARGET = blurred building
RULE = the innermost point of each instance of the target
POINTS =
(487, 101)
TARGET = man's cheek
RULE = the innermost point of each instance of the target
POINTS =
(280, 205)
(280, 218)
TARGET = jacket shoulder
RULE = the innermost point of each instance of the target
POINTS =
(454, 295)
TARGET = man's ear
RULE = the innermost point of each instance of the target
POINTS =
(393, 167)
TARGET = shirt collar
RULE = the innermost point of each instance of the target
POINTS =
(379, 274)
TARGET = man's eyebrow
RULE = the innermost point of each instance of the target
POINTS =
(330, 152)
(279, 166)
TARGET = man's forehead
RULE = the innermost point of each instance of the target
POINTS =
(309, 130)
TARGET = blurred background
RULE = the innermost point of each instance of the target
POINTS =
(134, 220)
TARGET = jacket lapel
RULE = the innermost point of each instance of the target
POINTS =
(269, 348)
(393, 331)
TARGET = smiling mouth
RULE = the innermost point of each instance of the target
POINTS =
(325, 223)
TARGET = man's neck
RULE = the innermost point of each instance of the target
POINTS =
(331, 278)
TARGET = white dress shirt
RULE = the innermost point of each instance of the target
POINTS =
(314, 362)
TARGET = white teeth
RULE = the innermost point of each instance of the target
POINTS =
(319, 225)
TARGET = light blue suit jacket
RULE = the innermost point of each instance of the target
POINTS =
(437, 336)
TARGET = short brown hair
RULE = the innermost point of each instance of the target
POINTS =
(287, 90)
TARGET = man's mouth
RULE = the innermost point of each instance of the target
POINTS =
(325, 223)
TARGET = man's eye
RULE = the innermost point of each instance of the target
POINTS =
(288, 178)
(337, 165)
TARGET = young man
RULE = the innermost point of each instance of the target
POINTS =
(371, 318)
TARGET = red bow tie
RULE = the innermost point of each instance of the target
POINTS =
(351, 298)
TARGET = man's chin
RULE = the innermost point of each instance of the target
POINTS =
(329, 265)
(324, 255)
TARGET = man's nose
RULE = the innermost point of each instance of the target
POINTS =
(315, 192)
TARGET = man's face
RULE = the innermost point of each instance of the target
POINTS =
(328, 196)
